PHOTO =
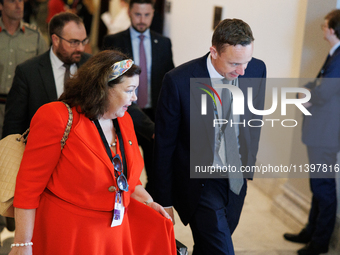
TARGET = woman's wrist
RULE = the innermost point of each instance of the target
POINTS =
(147, 202)
(18, 244)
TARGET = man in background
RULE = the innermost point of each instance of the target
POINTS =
(321, 134)
(212, 207)
(19, 41)
(152, 52)
(41, 80)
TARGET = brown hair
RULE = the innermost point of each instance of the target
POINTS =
(334, 21)
(88, 89)
(231, 32)
(59, 20)
(132, 2)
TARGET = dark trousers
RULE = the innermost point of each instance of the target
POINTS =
(216, 218)
(322, 215)
(147, 146)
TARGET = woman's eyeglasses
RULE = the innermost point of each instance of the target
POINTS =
(120, 177)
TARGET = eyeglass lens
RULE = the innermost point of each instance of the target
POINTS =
(121, 179)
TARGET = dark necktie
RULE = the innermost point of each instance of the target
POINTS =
(67, 73)
(231, 145)
(143, 77)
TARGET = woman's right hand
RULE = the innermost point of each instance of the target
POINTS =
(25, 250)
(24, 224)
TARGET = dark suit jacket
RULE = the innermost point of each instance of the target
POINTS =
(161, 57)
(322, 128)
(173, 132)
(33, 86)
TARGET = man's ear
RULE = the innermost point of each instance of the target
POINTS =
(55, 40)
(213, 52)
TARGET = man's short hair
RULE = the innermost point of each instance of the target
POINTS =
(59, 20)
(334, 21)
(152, 2)
(231, 32)
(2, 2)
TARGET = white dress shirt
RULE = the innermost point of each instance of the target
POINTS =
(59, 72)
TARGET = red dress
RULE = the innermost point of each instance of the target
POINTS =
(72, 191)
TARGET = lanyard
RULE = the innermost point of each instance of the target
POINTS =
(107, 147)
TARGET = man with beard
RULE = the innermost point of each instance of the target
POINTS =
(40, 80)
(152, 52)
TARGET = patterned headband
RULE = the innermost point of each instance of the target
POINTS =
(119, 68)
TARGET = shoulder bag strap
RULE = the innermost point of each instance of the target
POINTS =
(68, 126)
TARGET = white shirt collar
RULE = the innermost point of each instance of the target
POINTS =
(331, 52)
(211, 69)
(134, 34)
(55, 61)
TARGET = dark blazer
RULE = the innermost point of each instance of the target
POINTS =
(322, 128)
(161, 57)
(33, 86)
(173, 132)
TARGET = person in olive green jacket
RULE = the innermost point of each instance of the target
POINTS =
(19, 41)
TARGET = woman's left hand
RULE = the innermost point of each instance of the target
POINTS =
(157, 207)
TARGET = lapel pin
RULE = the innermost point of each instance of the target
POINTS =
(156, 41)
(130, 142)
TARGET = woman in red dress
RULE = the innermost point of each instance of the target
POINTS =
(87, 198)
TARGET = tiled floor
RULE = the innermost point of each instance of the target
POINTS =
(259, 231)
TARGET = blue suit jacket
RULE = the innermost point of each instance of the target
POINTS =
(172, 136)
(322, 128)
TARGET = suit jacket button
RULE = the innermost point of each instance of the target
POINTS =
(112, 188)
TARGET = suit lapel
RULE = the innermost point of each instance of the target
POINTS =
(201, 71)
(328, 61)
(46, 73)
(154, 51)
(127, 42)
(88, 134)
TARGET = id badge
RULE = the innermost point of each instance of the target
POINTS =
(118, 211)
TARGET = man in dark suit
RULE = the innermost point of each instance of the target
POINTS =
(152, 52)
(184, 138)
(40, 80)
(321, 134)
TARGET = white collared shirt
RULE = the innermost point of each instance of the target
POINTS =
(331, 52)
(135, 40)
(216, 79)
(59, 72)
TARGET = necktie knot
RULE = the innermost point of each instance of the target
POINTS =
(67, 66)
(141, 37)
(225, 81)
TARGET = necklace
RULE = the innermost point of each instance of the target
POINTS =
(114, 143)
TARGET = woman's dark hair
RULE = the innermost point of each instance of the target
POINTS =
(88, 89)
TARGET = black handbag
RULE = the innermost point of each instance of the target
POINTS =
(181, 248)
